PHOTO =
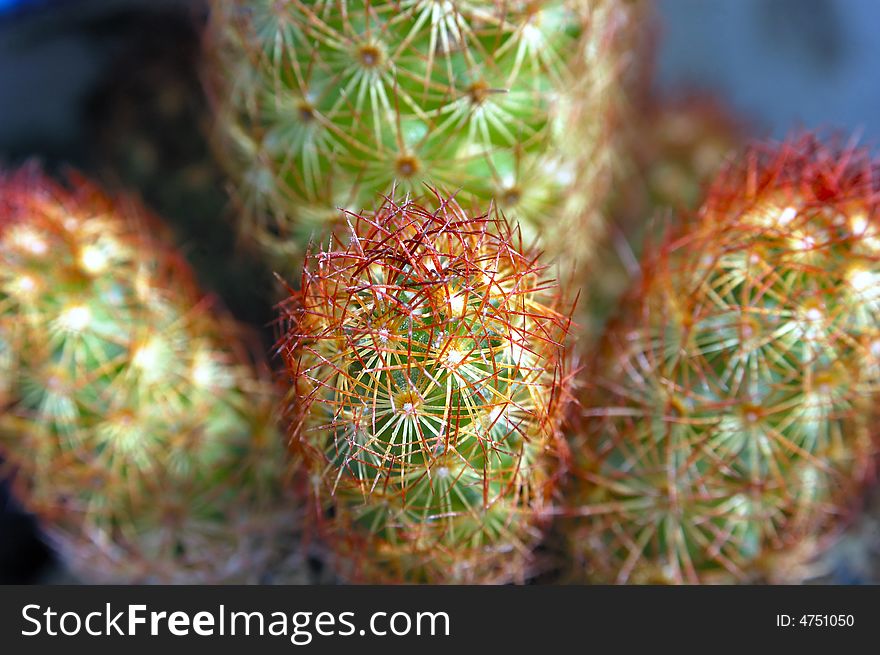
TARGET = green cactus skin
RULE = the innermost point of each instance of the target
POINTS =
(328, 104)
(728, 425)
(135, 423)
(427, 371)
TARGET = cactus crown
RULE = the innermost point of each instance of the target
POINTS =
(426, 355)
(134, 418)
(730, 423)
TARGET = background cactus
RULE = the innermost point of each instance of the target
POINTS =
(728, 422)
(143, 134)
(325, 104)
(679, 144)
(671, 151)
(425, 356)
(134, 421)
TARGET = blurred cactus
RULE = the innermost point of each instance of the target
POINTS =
(681, 146)
(326, 104)
(425, 354)
(671, 150)
(728, 421)
(142, 134)
(134, 424)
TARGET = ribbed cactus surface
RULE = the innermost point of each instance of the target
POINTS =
(425, 356)
(134, 421)
(328, 103)
(728, 425)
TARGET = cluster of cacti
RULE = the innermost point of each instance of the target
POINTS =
(427, 381)
(412, 169)
(727, 426)
(135, 423)
(327, 103)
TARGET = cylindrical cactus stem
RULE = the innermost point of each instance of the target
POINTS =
(426, 359)
(728, 425)
(138, 426)
(325, 104)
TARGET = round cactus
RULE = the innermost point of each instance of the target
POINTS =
(332, 102)
(727, 428)
(425, 355)
(135, 423)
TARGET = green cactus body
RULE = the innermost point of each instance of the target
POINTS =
(135, 423)
(334, 102)
(425, 358)
(728, 426)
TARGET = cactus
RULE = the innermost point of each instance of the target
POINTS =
(425, 357)
(673, 149)
(682, 146)
(134, 424)
(334, 101)
(727, 429)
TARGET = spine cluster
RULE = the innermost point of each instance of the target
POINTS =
(134, 422)
(426, 362)
(328, 103)
(728, 428)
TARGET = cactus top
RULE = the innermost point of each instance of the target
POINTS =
(729, 427)
(133, 416)
(426, 354)
(332, 102)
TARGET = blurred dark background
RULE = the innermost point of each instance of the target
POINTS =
(111, 87)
